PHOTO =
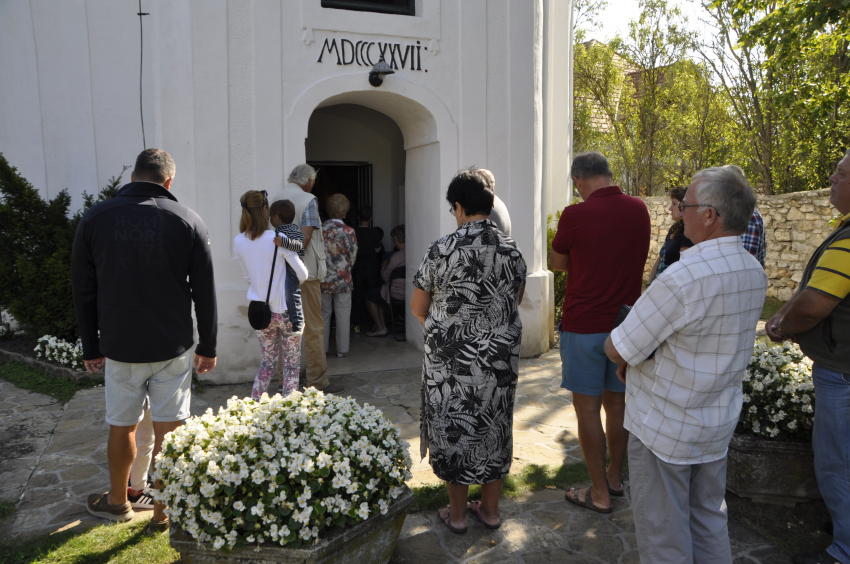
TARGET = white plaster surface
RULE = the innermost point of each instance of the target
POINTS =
(230, 88)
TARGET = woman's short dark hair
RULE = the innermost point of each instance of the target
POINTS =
(471, 189)
(365, 213)
(397, 233)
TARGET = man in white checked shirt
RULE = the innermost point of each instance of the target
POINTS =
(699, 318)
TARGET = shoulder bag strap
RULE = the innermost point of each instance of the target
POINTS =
(269, 293)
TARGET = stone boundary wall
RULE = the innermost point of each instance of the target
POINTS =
(795, 225)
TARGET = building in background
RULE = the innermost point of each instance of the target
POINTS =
(241, 91)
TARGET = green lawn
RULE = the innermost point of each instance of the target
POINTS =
(771, 306)
(128, 543)
(124, 543)
(26, 377)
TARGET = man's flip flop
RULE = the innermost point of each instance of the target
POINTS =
(477, 514)
(588, 501)
(448, 520)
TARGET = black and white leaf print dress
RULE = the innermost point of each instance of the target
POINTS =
(472, 345)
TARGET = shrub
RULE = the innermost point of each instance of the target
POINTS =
(560, 277)
(35, 253)
(779, 396)
(280, 470)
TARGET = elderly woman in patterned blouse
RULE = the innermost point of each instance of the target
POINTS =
(340, 254)
(466, 293)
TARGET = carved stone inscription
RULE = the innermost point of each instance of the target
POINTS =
(367, 53)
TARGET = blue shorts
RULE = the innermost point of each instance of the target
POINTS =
(584, 367)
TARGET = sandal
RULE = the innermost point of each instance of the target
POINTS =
(448, 520)
(155, 527)
(477, 514)
(588, 501)
(616, 493)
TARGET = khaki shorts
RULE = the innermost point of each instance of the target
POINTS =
(168, 385)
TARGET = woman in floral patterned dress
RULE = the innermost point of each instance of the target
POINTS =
(340, 253)
(255, 248)
(467, 293)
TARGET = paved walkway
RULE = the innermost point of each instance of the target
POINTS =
(52, 456)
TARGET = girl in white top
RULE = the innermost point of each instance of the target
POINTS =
(255, 248)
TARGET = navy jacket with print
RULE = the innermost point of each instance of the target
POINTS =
(139, 261)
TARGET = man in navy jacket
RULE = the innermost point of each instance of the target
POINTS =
(139, 261)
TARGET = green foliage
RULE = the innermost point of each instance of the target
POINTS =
(6, 509)
(767, 88)
(654, 112)
(28, 378)
(35, 253)
(560, 277)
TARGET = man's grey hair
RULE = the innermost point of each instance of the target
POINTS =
(302, 174)
(726, 189)
(590, 164)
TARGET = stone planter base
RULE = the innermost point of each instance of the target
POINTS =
(771, 471)
(369, 542)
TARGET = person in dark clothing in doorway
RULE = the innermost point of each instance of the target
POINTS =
(140, 259)
(366, 271)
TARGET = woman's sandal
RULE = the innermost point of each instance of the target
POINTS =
(588, 501)
(477, 513)
(448, 520)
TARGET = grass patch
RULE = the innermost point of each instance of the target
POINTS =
(533, 477)
(26, 377)
(6, 509)
(771, 306)
(124, 543)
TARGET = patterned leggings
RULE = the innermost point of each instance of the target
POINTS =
(278, 340)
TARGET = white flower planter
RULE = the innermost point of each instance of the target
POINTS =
(369, 542)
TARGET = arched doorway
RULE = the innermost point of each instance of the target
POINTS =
(428, 155)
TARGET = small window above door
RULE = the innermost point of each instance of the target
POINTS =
(398, 7)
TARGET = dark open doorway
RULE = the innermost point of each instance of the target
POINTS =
(349, 178)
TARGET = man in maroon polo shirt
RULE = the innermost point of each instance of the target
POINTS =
(602, 243)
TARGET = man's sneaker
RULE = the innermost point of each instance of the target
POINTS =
(341, 355)
(99, 506)
(355, 329)
(155, 527)
(143, 501)
(332, 389)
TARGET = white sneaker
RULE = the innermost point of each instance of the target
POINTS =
(340, 355)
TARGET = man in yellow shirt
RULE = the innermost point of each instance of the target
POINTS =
(818, 318)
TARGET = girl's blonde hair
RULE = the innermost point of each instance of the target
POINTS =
(253, 221)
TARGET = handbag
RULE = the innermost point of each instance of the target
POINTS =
(260, 313)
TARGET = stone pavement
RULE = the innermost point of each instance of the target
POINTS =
(52, 456)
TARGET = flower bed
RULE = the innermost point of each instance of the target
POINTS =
(779, 397)
(280, 470)
(59, 352)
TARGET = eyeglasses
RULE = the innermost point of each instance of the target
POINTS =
(683, 205)
(452, 210)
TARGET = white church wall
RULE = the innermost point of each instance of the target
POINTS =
(229, 88)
